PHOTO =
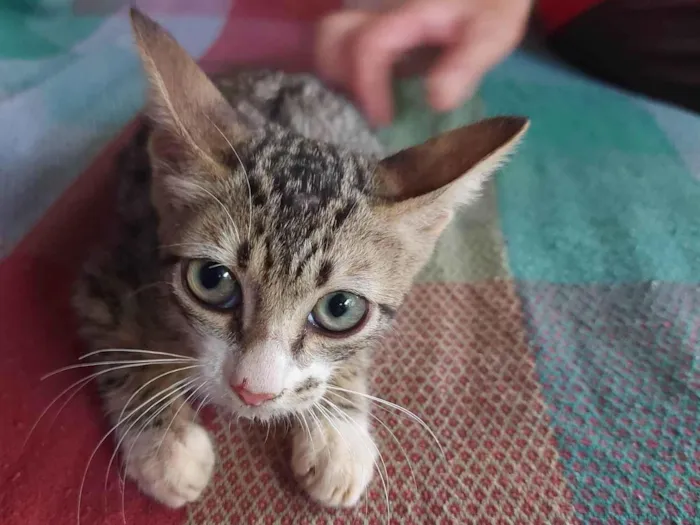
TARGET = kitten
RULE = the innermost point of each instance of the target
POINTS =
(263, 248)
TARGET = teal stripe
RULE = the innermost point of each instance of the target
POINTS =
(619, 372)
(28, 34)
(597, 192)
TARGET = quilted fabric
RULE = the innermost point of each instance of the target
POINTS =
(460, 360)
(552, 345)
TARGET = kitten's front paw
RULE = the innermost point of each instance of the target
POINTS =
(175, 472)
(335, 464)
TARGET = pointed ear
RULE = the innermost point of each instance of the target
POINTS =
(184, 105)
(424, 184)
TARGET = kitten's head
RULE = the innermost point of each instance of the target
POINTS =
(292, 255)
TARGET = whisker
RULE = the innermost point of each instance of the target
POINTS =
(172, 420)
(298, 419)
(145, 287)
(167, 402)
(302, 418)
(267, 433)
(245, 173)
(140, 362)
(396, 440)
(109, 433)
(153, 379)
(401, 409)
(317, 423)
(134, 351)
(202, 403)
(403, 450)
(119, 443)
(233, 224)
(385, 482)
(79, 385)
(329, 419)
(174, 245)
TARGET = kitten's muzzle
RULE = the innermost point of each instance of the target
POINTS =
(251, 398)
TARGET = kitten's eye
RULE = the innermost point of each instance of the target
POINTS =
(339, 312)
(213, 284)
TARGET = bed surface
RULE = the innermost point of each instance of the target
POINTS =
(552, 345)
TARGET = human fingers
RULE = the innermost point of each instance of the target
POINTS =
(485, 41)
(379, 45)
(333, 35)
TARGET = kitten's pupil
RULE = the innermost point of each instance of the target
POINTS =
(211, 275)
(339, 304)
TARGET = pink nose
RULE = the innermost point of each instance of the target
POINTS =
(251, 398)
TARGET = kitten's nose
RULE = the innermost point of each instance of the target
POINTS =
(251, 398)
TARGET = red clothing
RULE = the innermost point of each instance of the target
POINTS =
(556, 13)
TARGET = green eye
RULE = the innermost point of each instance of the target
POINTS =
(213, 284)
(339, 312)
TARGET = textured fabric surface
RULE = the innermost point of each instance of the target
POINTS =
(70, 64)
(620, 368)
(552, 344)
(459, 359)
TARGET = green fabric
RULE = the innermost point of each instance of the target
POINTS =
(471, 249)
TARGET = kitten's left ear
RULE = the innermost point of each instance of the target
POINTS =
(184, 105)
(425, 183)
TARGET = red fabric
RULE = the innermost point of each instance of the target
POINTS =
(556, 13)
(40, 481)
(308, 10)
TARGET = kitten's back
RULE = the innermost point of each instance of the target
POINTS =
(300, 103)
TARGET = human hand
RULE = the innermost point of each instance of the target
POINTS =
(359, 49)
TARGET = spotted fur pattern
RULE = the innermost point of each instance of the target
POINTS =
(279, 180)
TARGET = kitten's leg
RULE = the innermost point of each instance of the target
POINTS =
(333, 454)
(168, 455)
(165, 451)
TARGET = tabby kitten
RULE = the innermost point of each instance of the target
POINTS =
(263, 249)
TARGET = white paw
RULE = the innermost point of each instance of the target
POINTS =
(175, 472)
(334, 465)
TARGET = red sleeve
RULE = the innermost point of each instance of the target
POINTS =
(556, 13)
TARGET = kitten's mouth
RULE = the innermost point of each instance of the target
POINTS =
(270, 409)
(260, 411)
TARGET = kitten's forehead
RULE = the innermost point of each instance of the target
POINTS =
(286, 165)
(301, 194)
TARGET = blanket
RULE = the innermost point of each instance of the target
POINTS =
(552, 345)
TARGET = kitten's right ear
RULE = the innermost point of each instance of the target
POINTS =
(423, 184)
(189, 113)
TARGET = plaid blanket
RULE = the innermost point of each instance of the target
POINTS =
(552, 345)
